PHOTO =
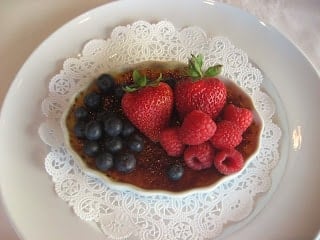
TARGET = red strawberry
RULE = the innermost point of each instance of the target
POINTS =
(199, 157)
(241, 116)
(148, 105)
(228, 135)
(228, 161)
(201, 91)
(171, 143)
(197, 127)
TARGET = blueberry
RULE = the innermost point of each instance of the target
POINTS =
(104, 161)
(175, 172)
(93, 130)
(93, 101)
(91, 148)
(118, 91)
(171, 82)
(113, 144)
(137, 137)
(135, 144)
(81, 113)
(127, 129)
(103, 115)
(79, 129)
(105, 83)
(125, 162)
(113, 126)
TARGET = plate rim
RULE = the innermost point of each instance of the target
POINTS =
(13, 85)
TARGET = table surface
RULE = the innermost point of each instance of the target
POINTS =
(23, 29)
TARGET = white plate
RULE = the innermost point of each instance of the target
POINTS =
(26, 188)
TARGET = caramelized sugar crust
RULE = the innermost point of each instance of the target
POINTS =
(153, 162)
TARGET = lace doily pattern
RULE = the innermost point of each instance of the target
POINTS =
(130, 215)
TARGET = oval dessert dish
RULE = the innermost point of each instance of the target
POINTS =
(179, 114)
(163, 127)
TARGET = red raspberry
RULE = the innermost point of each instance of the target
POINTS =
(197, 127)
(228, 135)
(171, 143)
(199, 157)
(241, 116)
(228, 161)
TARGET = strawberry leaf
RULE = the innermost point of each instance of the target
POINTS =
(195, 65)
(195, 68)
(155, 82)
(129, 89)
(213, 71)
(193, 74)
(199, 60)
(140, 81)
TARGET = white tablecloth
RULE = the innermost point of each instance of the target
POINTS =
(24, 25)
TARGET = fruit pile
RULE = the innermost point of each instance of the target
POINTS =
(190, 118)
(108, 138)
(210, 129)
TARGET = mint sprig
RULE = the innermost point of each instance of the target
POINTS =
(140, 81)
(195, 68)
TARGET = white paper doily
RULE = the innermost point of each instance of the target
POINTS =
(129, 215)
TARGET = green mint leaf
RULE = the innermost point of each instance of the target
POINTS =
(213, 71)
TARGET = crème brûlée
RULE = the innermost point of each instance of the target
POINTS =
(122, 152)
